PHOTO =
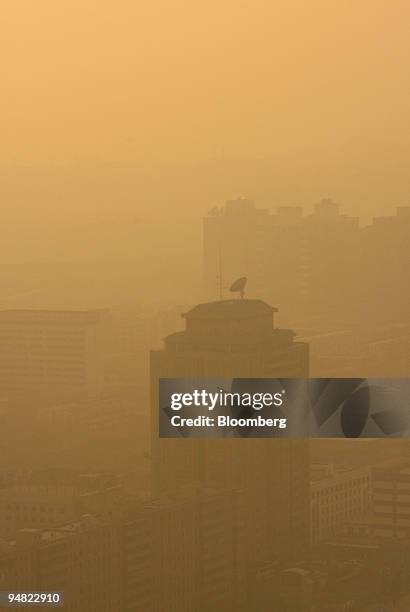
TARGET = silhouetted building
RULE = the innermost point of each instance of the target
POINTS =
(186, 551)
(232, 338)
(236, 338)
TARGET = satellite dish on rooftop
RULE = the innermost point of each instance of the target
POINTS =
(239, 286)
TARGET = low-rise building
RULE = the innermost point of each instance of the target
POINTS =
(338, 494)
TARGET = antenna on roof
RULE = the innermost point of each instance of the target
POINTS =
(239, 286)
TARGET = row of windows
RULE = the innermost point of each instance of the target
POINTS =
(342, 486)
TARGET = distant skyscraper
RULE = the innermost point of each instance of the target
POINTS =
(236, 338)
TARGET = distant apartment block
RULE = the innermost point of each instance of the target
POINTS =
(172, 553)
(338, 494)
(35, 506)
(56, 354)
(391, 500)
(186, 551)
(300, 262)
(133, 331)
(389, 518)
(82, 558)
(341, 285)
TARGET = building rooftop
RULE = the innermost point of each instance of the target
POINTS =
(230, 309)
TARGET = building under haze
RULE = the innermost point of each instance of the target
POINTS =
(81, 559)
(232, 338)
(339, 284)
(237, 338)
(51, 353)
(301, 262)
(180, 553)
(338, 494)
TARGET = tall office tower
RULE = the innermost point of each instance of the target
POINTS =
(54, 354)
(236, 338)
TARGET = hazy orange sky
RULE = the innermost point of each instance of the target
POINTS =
(126, 79)
(120, 119)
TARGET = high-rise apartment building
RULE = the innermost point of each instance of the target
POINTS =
(302, 263)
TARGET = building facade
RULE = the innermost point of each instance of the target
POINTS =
(54, 354)
(237, 338)
(338, 494)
